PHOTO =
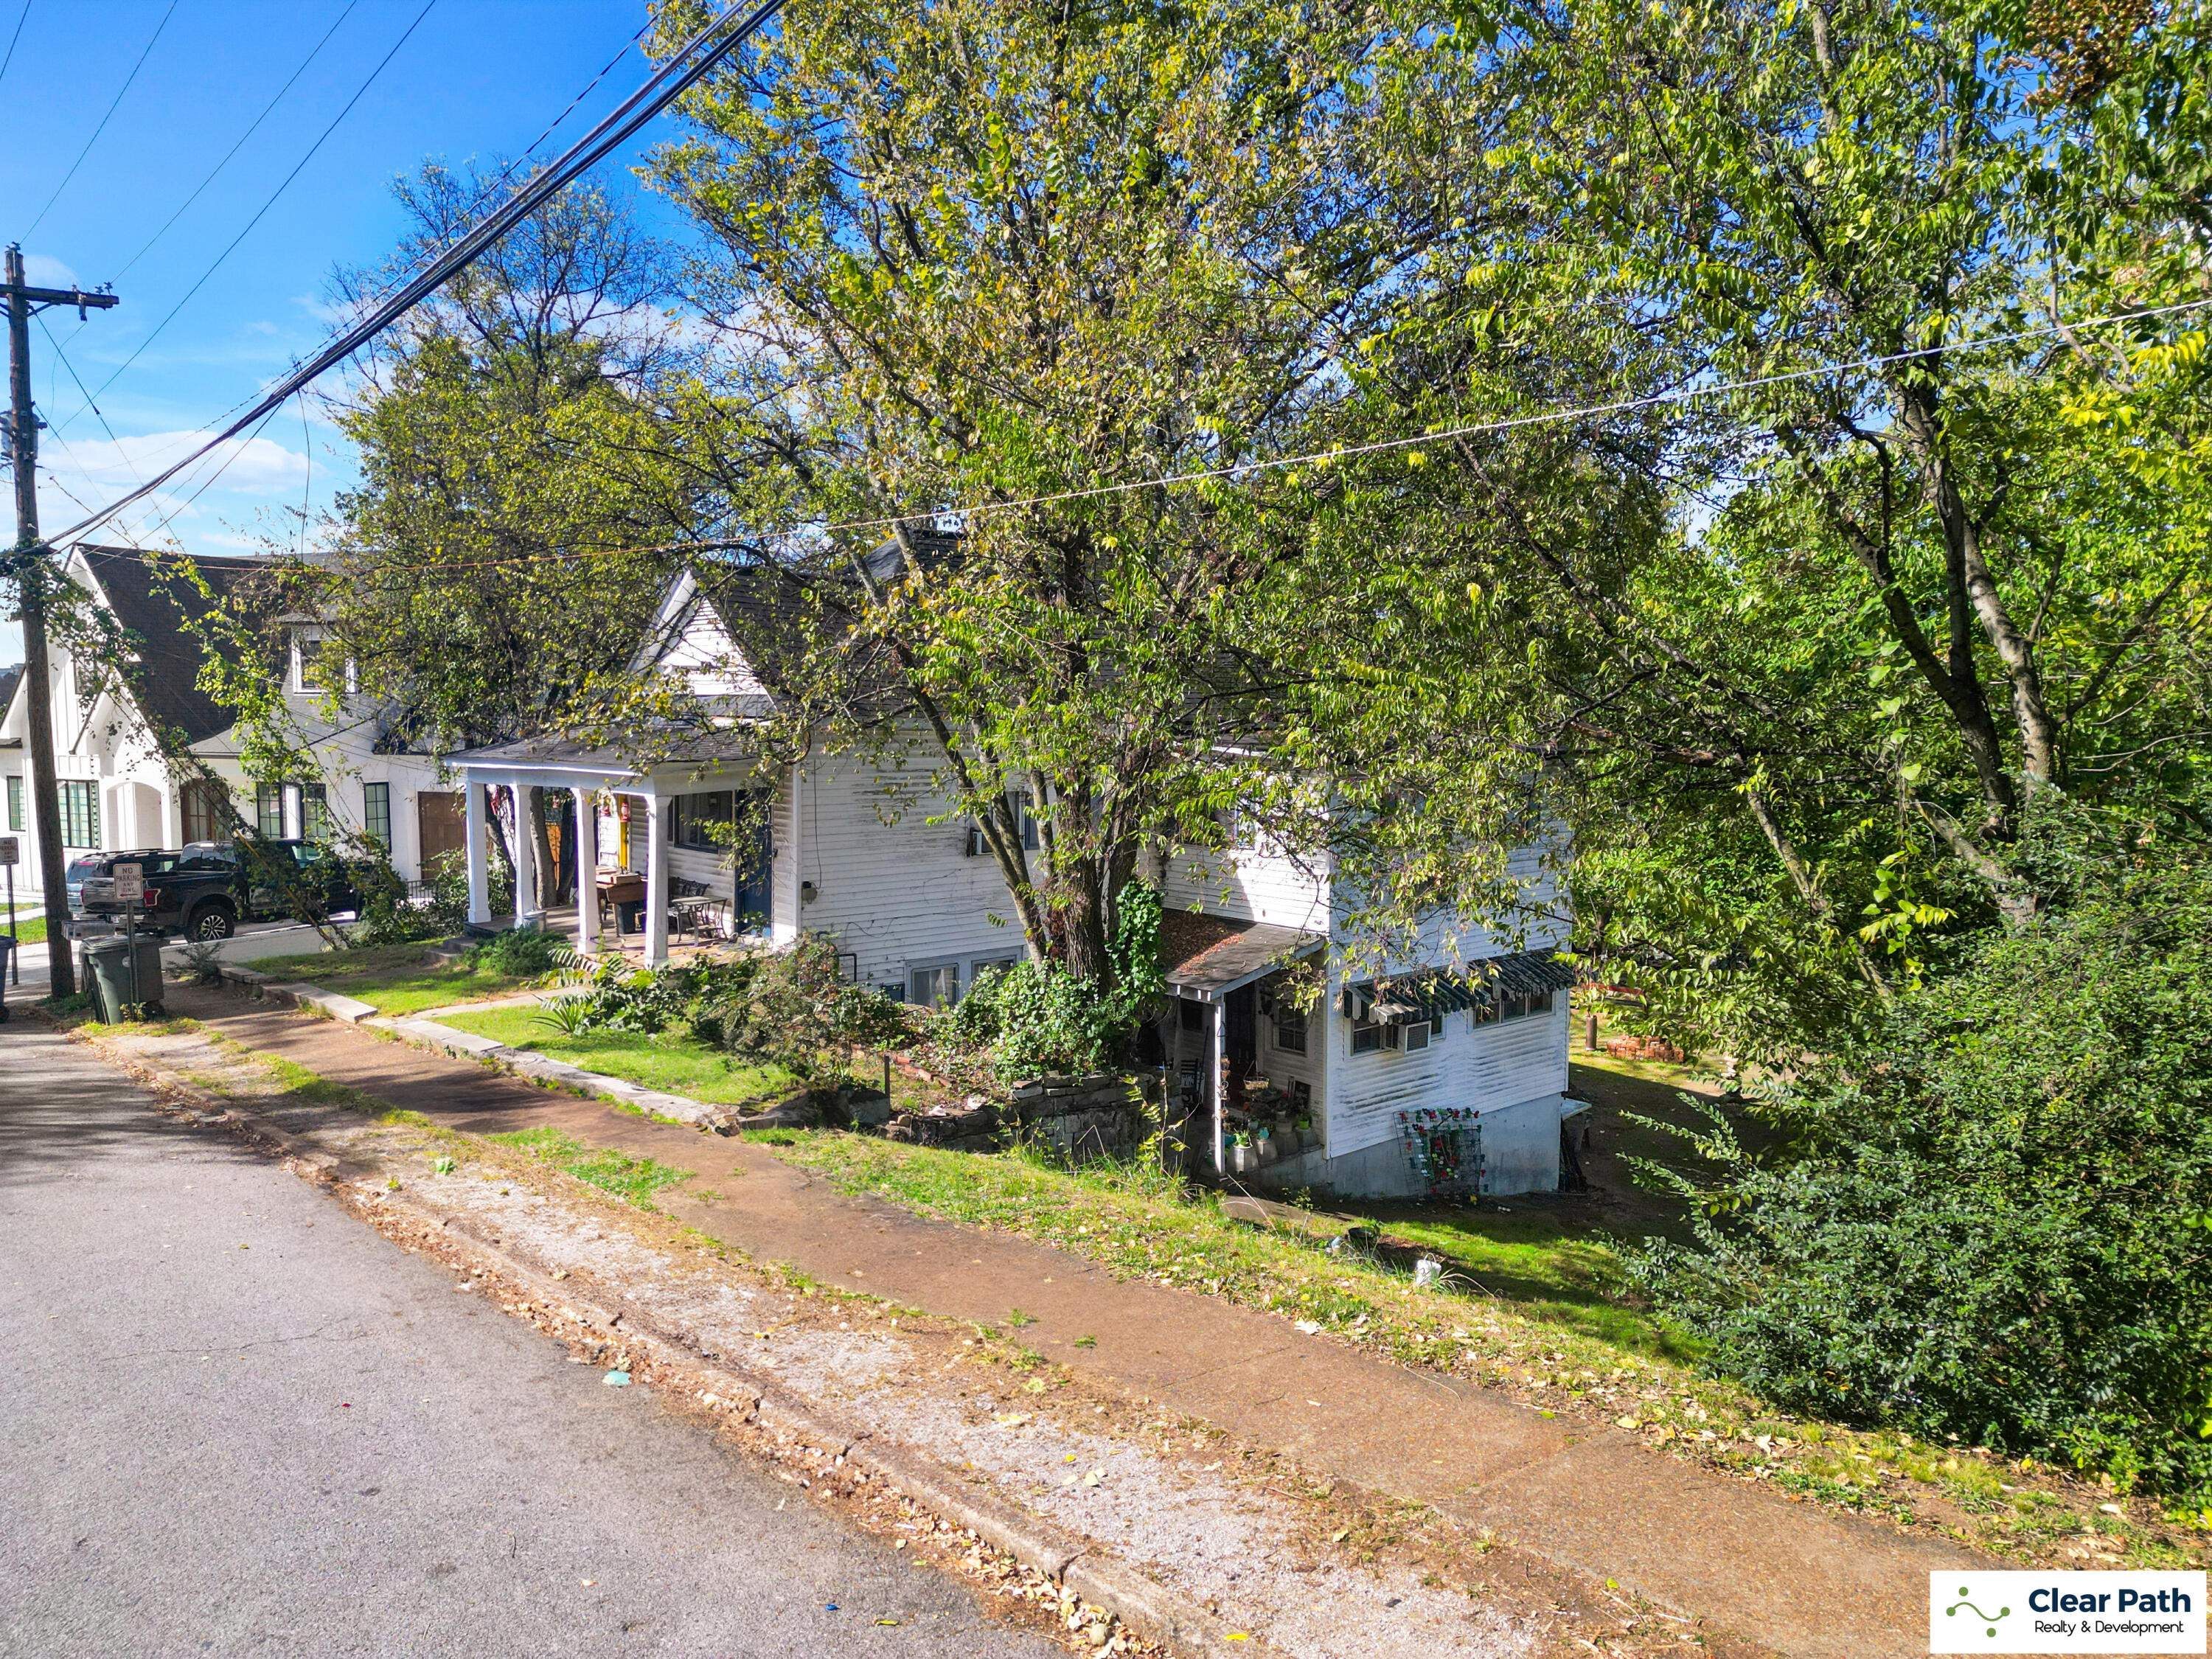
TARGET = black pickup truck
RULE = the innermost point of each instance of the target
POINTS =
(206, 890)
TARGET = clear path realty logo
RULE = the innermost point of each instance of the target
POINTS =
(2082, 1613)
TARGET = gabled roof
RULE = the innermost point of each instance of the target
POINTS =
(153, 605)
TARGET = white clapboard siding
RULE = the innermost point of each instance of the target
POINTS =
(898, 895)
(1447, 937)
(1483, 1066)
(689, 639)
(1249, 886)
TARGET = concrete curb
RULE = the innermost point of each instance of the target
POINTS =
(1063, 1557)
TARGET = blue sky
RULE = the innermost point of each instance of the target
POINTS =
(477, 78)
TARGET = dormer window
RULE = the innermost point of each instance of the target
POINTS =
(307, 675)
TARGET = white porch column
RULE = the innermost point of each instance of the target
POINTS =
(478, 831)
(587, 864)
(1218, 1081)
(525, 854)
(656, 880)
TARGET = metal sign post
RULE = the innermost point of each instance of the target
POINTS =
(11, 853)
(129, 892)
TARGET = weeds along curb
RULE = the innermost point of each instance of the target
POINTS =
(799, 1433)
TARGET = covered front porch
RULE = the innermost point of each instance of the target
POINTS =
(1244, 1055)
(667, 830)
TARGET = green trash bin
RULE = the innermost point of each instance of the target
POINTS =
(110, 987)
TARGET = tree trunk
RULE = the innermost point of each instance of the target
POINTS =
(497, 823)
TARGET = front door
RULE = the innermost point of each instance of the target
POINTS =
(440, 824)
(754, 858)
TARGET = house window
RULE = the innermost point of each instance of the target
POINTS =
(203, 812)
(704, 822)
(269, 810)
(1192, 1015)
(80, 813)
(376, 814)
(1371, 1036)
(314, 812)
(934, 987)
(1018, 804)
(305, 653)
(989, 965)
(1290, 1026)
(1521, 1007)
(14, 802)
(1301, 1096)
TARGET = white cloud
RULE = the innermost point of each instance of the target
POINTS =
(249, 467)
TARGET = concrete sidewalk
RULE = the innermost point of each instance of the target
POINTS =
(1743, 1559)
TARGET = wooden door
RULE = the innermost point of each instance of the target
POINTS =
(442, 824)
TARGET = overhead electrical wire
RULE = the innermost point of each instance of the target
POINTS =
(21, 17)
(283, 185)
(1329, 456)
(276, 99)
(114, 105)
(682, 70)
(483, 196)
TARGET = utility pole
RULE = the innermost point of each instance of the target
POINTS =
(31, 569)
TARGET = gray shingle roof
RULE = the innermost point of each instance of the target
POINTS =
(153, 606)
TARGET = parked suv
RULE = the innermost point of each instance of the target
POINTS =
(206, 890)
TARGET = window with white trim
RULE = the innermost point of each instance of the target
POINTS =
(937, 986)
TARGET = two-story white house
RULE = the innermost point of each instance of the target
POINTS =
(119, 787)
(1446, 1071)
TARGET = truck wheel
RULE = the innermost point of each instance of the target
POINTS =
(211, 921)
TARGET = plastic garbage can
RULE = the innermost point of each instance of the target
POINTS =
(110, 987)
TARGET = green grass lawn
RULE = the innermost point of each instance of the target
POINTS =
(393, 979)
(29, 929)
(669, 1061)
(1533, 1281)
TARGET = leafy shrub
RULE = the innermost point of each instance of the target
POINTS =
(796, 1010)
(447, 909)
(1037, 1017)
(522, 955)
(1996, 1223)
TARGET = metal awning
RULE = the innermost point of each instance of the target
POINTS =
(1207, 956)
(1432, 992)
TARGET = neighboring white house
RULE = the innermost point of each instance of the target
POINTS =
(870, 855)
(119, 791)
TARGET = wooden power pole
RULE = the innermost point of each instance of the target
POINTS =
(31, 569)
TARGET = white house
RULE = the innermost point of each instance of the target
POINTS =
(119, 791)
(1445, 1072)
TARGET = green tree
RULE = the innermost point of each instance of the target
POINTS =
(511, 532)
(999, 253)
(1996, 1222)
(1789, 661)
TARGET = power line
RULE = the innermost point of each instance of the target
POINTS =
(360, 92)
(104, 119)
(21, 18)
(1542, 418)
(278, 97)
(483, 196)
(659, 90)
(62, 357)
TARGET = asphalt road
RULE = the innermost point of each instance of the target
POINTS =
(236, 1420)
